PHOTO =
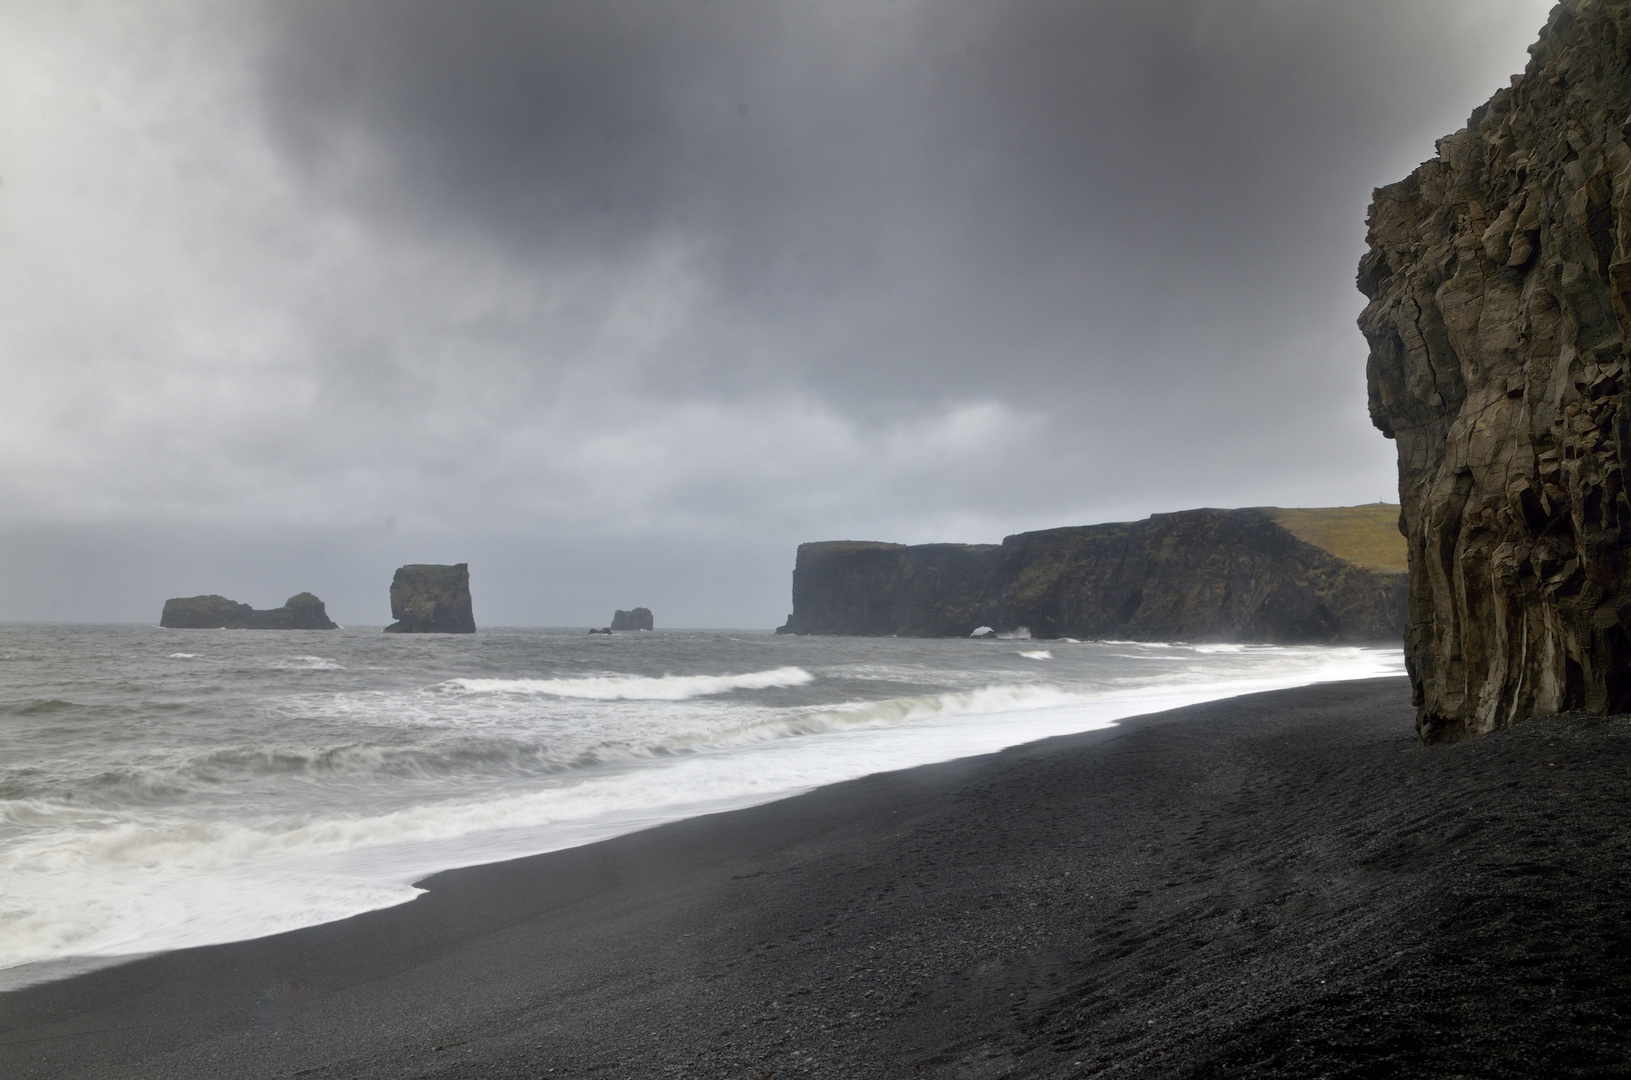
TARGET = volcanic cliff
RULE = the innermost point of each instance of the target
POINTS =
(1499, 278)
(1199, 575)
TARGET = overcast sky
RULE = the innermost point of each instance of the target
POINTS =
(620, 301)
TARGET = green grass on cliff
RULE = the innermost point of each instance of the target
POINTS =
(1367, 535)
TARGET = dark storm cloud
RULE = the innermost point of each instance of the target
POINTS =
(1045, 189)
(605, 296)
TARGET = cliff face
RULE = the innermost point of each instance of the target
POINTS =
(303, 611)
(1200, 575)
(1499, 277)
(638, 619)
(427, 598)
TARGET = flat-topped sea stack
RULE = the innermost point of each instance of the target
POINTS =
(302, 611)
(429, 598)
(638, 619)
(1499, 278)
(1255, 575)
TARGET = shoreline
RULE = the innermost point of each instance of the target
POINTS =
(250, 898)
(1275, 884)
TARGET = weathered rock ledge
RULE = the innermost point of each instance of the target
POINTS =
(431, 598)
(1199, 575)
(302, 611)
(1499, 278)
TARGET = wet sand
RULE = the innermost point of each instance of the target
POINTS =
(1277, 885)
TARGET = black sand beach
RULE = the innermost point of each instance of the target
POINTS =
(1277, 885)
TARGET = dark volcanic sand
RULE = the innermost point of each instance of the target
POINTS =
(1282, 884)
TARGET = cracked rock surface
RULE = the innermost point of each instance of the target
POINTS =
(1499, 278)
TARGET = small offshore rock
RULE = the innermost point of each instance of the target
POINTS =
(302, 611)
(638, 619)
(603, 630)
(430, 598)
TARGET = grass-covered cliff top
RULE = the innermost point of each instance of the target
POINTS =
(1367, 535)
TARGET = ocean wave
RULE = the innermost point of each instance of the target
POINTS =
(183, 881)
(35, 707)
(207, 814)
(447, 763)
(851, 716)
(636, 687)
(182, 656)
(308, 663)
(1037, 654)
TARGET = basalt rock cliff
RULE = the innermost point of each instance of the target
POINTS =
(1199, 575)
(427, 598)
(1499, 278)
(638, 619)
(303, 611)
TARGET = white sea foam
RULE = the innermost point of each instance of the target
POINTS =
(1037, 654)
(324, 805)
(635, 687)
(182, 656)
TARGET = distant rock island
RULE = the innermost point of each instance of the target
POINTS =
(427, 598)
(638, 619)
(302, 611)
(1258, 575)
(1499, 278)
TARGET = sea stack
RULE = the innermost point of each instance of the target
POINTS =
(1499, 278)
(638, 619)
(302, 611)
(427, 598)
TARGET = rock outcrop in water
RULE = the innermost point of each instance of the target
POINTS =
(1199, 575)
(427, 598)
(302, 611)
(1499, 278)
(638, 619)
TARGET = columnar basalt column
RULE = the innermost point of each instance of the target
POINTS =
(1499, 276)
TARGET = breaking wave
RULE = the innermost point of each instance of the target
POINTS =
(636, 687)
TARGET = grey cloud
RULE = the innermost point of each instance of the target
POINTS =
(590, 292)
(917, 194)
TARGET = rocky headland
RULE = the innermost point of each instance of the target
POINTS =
(428, 598)
(1198, 575)
(302, 611)
(638, 619)
(1499, 278)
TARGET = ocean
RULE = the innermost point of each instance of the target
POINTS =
(161, 789)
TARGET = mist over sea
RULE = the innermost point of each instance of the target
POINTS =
(169, 788)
